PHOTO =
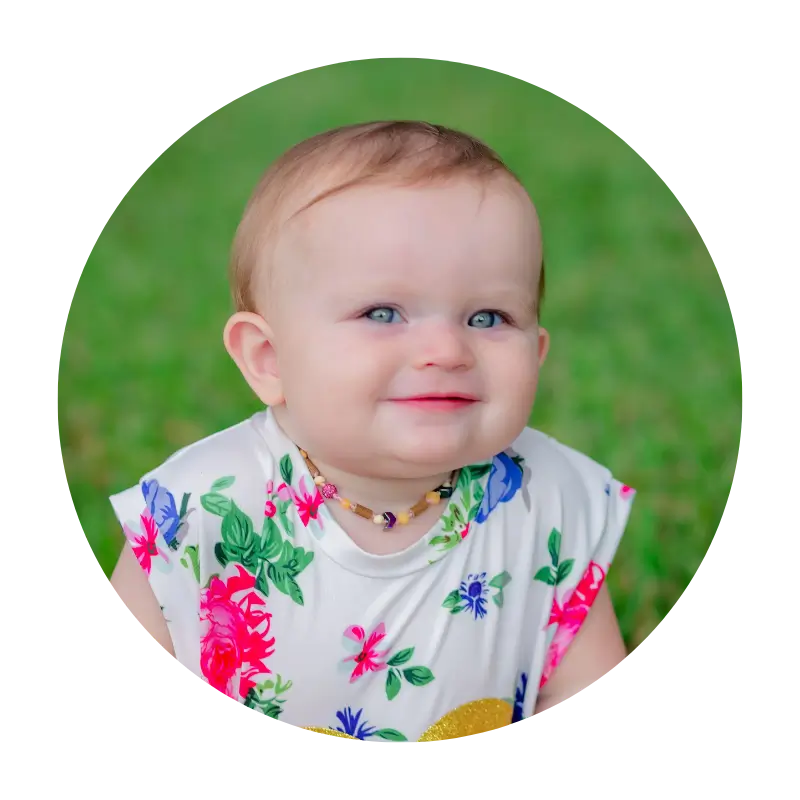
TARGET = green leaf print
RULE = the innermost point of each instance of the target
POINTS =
(272, 709)
(464, 478)
(268, 556)
(238, 538)
(283, 580)
(283, 506)
(271, 541)
(278, 576)
(293, 559)
(500, 581)
(564, 568)
(418, 676)
(286, 524)
(184, 506)
(390, 734)
(554, 546)
(393, 684)
(398, 659)
(446, 542)
(191, 552)
(286, 469)
(262, 584)
(546, 575)
(222, 483)
(216, 503)
(453, 601)
(237, 529)
(497, 599)
(268, 703)
(294, 591)
(286, 553)
(222, 557)
(478, 471)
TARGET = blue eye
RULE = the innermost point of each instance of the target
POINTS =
(382, 314)
(486, 319)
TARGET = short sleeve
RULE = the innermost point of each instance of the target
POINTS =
(593, 526)
(161, 521)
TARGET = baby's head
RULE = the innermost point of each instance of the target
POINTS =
(388, 279)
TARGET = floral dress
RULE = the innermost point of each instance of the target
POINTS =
(269, 601)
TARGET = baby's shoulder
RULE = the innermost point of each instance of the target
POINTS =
(568, 483)
(558, 471)
(566, 491)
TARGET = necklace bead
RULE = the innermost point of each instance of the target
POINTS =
(387, 518)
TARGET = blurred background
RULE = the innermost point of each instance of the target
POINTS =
(643, 373)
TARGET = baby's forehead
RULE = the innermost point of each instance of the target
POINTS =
(393, 242)
(491, 212)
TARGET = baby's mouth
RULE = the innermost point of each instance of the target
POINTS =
(436, 402)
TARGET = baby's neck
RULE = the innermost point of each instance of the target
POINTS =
(380, 494)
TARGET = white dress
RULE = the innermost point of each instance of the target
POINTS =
(268, 600)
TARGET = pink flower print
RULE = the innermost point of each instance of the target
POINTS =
(270, 487)
(558, 646)
(570, 614)
(465, 531)
(307, 503)
(235, 639)
(366, 657)
(575, 603)
(269, 509)
(145, 547)
(626, 492)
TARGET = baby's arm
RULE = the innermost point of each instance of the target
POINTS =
(130, 583)
(596, 649)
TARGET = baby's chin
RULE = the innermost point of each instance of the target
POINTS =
(431, 455)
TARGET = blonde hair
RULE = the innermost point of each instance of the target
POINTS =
(405, 152)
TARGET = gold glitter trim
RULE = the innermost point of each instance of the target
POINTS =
(329, 732)
(479, 716)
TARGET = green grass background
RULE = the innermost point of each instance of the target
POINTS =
(643, 373)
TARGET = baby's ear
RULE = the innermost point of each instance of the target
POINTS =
(249, 341)
(544, 345)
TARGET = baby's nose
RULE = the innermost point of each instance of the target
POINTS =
(445, 346)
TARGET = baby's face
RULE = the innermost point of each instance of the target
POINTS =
(405, 325)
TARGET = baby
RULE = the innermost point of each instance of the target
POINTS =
(386, 552)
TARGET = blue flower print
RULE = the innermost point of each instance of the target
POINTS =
(352, 725)
(505, 480)
(473, 591)
(163, 509)
(471, 594)
(519, 697)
